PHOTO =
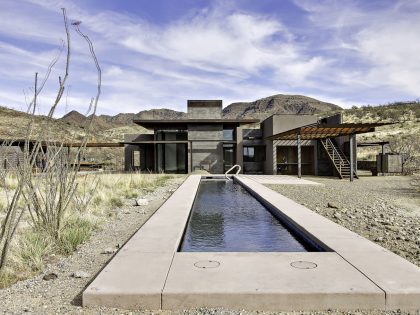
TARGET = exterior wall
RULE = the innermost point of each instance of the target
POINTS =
(207, 148)
(202, 109)
(280, 123)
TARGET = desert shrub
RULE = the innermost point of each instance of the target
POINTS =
(32, 249)
(7, 277)
(75, 232)
(409, 147)
(415, 182)
(10, 182)
(116, 201)
(129, 193)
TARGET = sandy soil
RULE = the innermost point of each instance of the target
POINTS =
(389, 199)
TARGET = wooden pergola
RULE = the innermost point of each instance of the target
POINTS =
(325, 131)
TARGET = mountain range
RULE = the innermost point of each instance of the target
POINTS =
(260, 109)
(107, 128)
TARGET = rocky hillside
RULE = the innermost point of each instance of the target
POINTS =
(261, 109)
(277, 104)
(71, 128)
(112, 128)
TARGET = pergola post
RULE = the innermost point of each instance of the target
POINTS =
(299, 156)
(351, 157)
(382, 159)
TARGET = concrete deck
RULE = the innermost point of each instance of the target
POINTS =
(279, 180)
(149, 273)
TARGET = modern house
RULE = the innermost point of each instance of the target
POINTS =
(281, 144)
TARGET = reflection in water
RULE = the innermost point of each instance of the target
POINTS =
(226, 218)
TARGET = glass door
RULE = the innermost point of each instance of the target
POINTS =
(229, 156)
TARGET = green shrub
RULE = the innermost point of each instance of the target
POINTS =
(116, 201)
(7, 278)
(75, 232)
(32, 249)
(130, 193)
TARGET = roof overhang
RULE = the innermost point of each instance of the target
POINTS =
(317, 132)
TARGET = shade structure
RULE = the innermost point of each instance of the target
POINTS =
(326, 131)
(323, 131)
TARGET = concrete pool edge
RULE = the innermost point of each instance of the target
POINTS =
(149, 273)
(397, 277)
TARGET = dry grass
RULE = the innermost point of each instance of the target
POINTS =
(98, 197)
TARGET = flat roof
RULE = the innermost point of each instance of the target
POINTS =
(315, 132)
(372, 144)
(151, 122)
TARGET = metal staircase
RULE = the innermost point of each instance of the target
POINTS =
(338, 159)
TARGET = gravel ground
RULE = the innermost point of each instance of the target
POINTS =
(390, 196)
(385, 210)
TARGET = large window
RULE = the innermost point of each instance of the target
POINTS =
(254, 153)
(172, 158)
(171, 135)
(228, 134)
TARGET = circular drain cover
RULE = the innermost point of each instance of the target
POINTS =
(207, 264)
(303, 264)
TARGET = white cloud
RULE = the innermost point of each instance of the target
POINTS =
(340, 52)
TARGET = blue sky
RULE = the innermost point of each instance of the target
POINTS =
(158, 54)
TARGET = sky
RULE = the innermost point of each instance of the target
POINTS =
(160, 53)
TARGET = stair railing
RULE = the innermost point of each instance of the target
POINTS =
(232, 168)
(331, 144)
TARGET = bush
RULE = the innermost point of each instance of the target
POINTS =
(7, 278)
(116, 202)
(75, 232)
(32, 249)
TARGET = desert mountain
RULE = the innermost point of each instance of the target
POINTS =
(71, 126)
(261, 109)
(277, 104)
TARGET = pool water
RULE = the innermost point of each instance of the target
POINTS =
(227, 218)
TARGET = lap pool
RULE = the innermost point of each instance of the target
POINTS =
(226, 218)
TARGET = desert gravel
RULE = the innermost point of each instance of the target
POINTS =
(385, 209)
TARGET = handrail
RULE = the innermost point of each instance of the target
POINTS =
(237, 172)
(342, 161)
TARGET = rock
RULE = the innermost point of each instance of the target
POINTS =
(331, 205)
(50, 276)
(80, 274)
(337, 215)
(141, 202)
(108, 251)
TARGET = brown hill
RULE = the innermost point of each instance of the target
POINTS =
(277, 104)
